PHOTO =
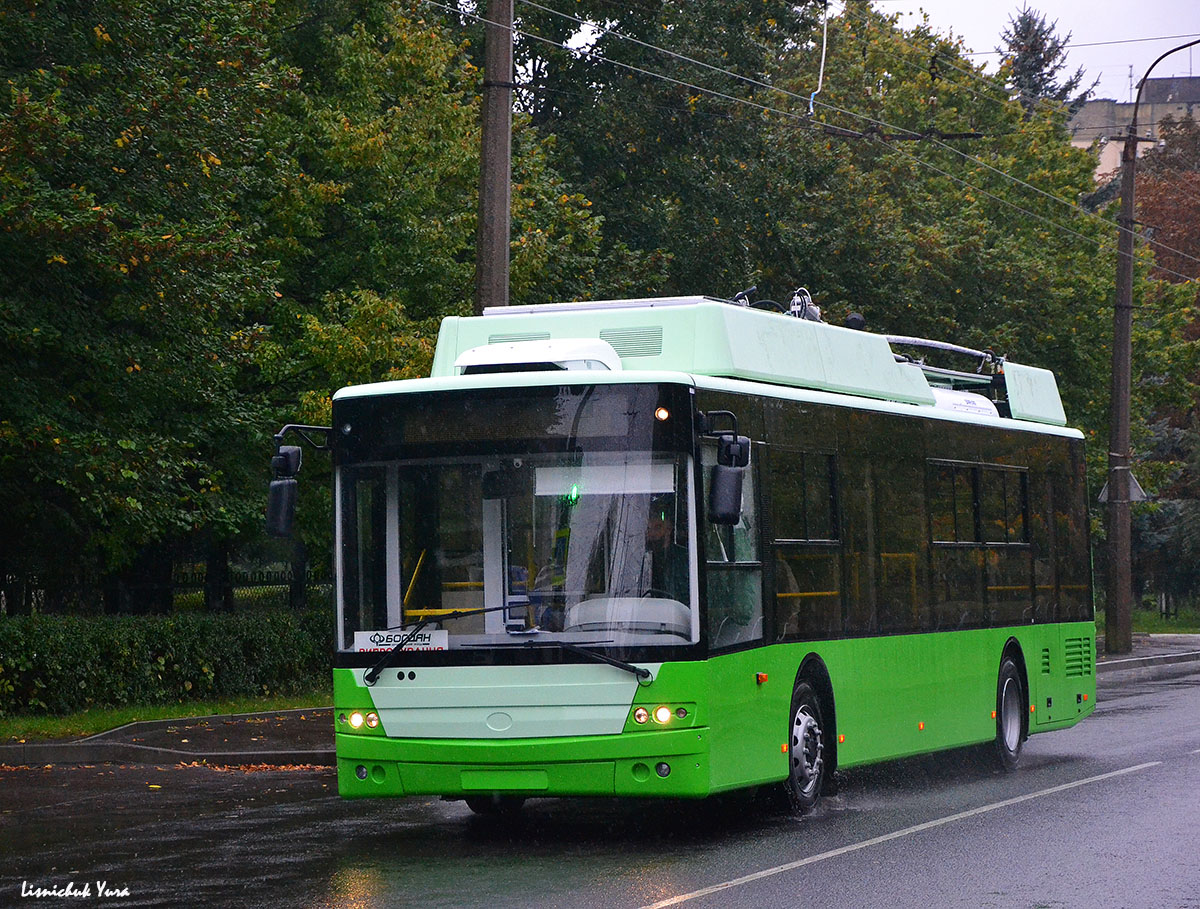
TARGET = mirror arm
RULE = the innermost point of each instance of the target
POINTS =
(303, 431)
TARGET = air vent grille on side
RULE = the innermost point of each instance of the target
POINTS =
(1078, 657)
(1045, 661)
(634, 342)
(519, 336)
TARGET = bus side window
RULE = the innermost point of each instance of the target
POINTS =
(734, 566)
(807, 549)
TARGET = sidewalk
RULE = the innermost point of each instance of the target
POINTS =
(305, 736)
(1154, 656)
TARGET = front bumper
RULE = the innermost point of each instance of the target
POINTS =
(627, 764)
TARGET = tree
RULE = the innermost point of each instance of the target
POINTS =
(1034, 56)
(137, 144)
(1168, 196)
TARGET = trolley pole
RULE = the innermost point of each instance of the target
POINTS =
(1118, 620)
(495, 159)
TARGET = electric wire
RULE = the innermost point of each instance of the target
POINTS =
(863, 117)
(817, 127)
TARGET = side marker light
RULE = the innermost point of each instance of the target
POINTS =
(921, 727)
(1085, 697)
(841, 739)
(760, 677)
(993, 714)
(783, 748)
(1032, 708)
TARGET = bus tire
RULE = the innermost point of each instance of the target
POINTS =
(1010, 709)
(494, 804)
(806, 748)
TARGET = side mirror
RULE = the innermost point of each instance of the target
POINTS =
(725, 494)
(286, 462)
(733, 450)
(281, 506)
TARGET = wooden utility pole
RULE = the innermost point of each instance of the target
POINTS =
(495, 159)
(1118, 618)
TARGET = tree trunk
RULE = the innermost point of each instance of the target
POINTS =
(218, 584)
(298, 589)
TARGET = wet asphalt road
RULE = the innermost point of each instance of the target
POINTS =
(1126, 833)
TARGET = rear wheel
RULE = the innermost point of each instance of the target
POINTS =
(806, 748)
(494, 804)
(1010, 708)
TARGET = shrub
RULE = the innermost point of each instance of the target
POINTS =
(59, 664)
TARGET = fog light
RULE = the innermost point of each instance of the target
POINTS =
(361, 772)
(663, 769)
(641, 715)
(372, 719)
(662, 714)
(356, 719)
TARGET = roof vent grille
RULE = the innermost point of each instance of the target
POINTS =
(635, 342)
(519, 336)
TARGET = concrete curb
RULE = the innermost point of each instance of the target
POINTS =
(1147, 669)
(147, 725)
(95, 750)
(87, 752)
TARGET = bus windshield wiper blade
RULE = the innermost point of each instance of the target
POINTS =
(640, 672)
(371, 676)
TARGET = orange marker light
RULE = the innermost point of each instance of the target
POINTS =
(783, 748)
(760, 677)
(993, 714)
(841, 739)
(1085, 697)
(1032, 708)
(921, 727)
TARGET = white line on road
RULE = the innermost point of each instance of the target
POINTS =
(1197, 751)
(907, 831)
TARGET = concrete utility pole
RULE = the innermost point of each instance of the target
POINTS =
(495, 159)
(1118, 620)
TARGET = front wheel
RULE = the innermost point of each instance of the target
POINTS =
(806, 748)
(1010, 708)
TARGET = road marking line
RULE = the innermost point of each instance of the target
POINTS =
(1197, 751)
(875, 841)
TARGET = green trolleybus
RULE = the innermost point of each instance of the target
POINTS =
(677, 546)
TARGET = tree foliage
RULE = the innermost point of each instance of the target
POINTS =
(214, 216)
(137, 145)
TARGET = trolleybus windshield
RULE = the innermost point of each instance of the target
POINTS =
(581, 531)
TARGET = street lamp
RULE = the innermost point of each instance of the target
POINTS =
(1118, 623)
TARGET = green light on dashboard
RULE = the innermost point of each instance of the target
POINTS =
(573, 494)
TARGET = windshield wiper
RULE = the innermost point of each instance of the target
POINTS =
(372, 675)
(640, 672)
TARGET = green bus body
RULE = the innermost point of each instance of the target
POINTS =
(891, 551)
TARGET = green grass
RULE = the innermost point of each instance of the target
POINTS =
(1148, 621)
(89, 722)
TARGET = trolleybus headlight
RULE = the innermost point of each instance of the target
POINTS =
(641, 715)
(372, 719)
(662, 714)
(356, 719)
